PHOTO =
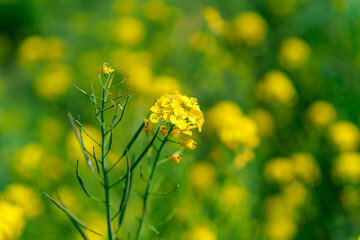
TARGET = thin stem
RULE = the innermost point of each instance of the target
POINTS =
(147, 192)
(104, 170)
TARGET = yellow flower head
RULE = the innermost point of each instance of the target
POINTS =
(250, 28)
(294, 52)
(345, 135)
(175, 158)
(105, 69)
(190, 144)
(276, 87)
(148, 126)
(164, 131)
(321, 113)
(347, 167)
(183, 112)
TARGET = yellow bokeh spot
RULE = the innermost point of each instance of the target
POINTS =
(344, 135)
(232, 196)
(25, 198)
(202, 177)
(53, 81)
(281, 229)
(214, 20)
(243, 158)
(12, 220)
(280, 170)
(264, 121)
(347, 167)
(164, 84)
(294, 52)
(321, 113)
(129, 31)
(305, 167)
(276, 87)
(249, 28)
(232, 126)
(200, 232)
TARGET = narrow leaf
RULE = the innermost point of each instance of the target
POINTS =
(82, 184)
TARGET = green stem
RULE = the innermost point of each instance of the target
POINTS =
(147, 192)
(104, 168)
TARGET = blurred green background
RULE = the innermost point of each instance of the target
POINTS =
(278, 81)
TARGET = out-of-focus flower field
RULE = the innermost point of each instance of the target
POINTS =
(277, 80)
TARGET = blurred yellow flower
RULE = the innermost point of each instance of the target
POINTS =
(129, 31)
(321, 113)
(190, 144)
(347, 167)
(50, 129)
(163, 130)
(183, 112)
(53, 81)
(232, 196)
(175, 133)
(264, 121)
(12, 221)
(243, 158)
(280, 170)
(281, 229)
(200, 232)
(36, 48)
(175, 158)
(295, 194)
(233, 127)
(306, 168)
(345, 135)
(25, 198)
(148, 126)
(157, 10)
(29, 159)
(249, 28)
(294, 52)
(124, 59)
(202, 177)
(276, 87)
(214, 20)
(105, 69)
(139, 77)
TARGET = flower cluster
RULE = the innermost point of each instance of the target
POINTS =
(181, 111)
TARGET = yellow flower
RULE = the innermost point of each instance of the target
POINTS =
(183, 112)
(157, 10)
(214, 20)
(250, 28)
(232, 196)
(321, 113)
(129, 31)
(53, 81)
(12, 220)
(175, 133)
(294, 52)
(232, 126)
(243, 158)
(345, 135)
(276, 87)
(164, 131)
(190, 144)
(282, 228)
(24, 197)
(305, 167)
(280, 170)
(200, 233)
(148, 126)
(175, 158)
(347, 167)
(105, 69)
(202, 177)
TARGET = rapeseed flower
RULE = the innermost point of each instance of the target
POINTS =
(175, 158)
(294, 52)
(105, 69)
(321, 113)
(190, 144)
(164, 131)
(148, 126)
(12, 221)
(345, 135)
(347, 167)
(181, 111)
(250, 28)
